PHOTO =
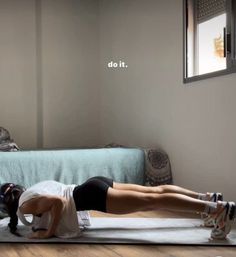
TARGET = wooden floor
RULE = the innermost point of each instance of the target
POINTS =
(85, 250)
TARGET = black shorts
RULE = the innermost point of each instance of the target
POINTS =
(92, 194)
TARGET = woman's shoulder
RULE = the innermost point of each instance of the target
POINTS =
(27, 195)
(36, 189)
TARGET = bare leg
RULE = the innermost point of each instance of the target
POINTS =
(157, 189)
(125, 201)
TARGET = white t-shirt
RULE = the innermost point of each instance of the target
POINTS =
(68, 226)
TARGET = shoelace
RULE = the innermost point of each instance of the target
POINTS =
(207, 217)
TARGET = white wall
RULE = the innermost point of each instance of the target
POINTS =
(49, 78)
(70, 78)
(18, 100)
(148, 105)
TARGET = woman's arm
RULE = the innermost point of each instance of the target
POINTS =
(36, 206)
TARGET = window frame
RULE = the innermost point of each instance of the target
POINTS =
(231, 57)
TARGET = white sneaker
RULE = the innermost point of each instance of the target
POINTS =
(224, 221)
(207, 219)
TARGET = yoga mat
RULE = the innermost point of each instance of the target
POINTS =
(106, 230)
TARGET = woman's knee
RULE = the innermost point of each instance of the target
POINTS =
(160, 189)
(150, 201)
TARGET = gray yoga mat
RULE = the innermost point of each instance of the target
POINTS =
(132, 231)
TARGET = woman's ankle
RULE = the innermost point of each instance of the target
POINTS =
(219, 208)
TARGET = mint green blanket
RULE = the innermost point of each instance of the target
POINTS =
(72, 166)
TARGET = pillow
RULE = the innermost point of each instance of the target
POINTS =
(4, 135)
(157, 168)
(6, 143)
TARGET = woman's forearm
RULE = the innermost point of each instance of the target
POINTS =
(56, 212)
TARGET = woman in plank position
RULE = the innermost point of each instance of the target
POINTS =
(54, 205)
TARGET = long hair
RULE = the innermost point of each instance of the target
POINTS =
(9, 202)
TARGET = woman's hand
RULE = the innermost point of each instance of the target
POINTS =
(40, 234)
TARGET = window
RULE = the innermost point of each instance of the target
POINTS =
(209, 38)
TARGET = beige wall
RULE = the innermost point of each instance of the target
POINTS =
(18, 100)
(148, 105)
(70, 78)
(49, 81)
